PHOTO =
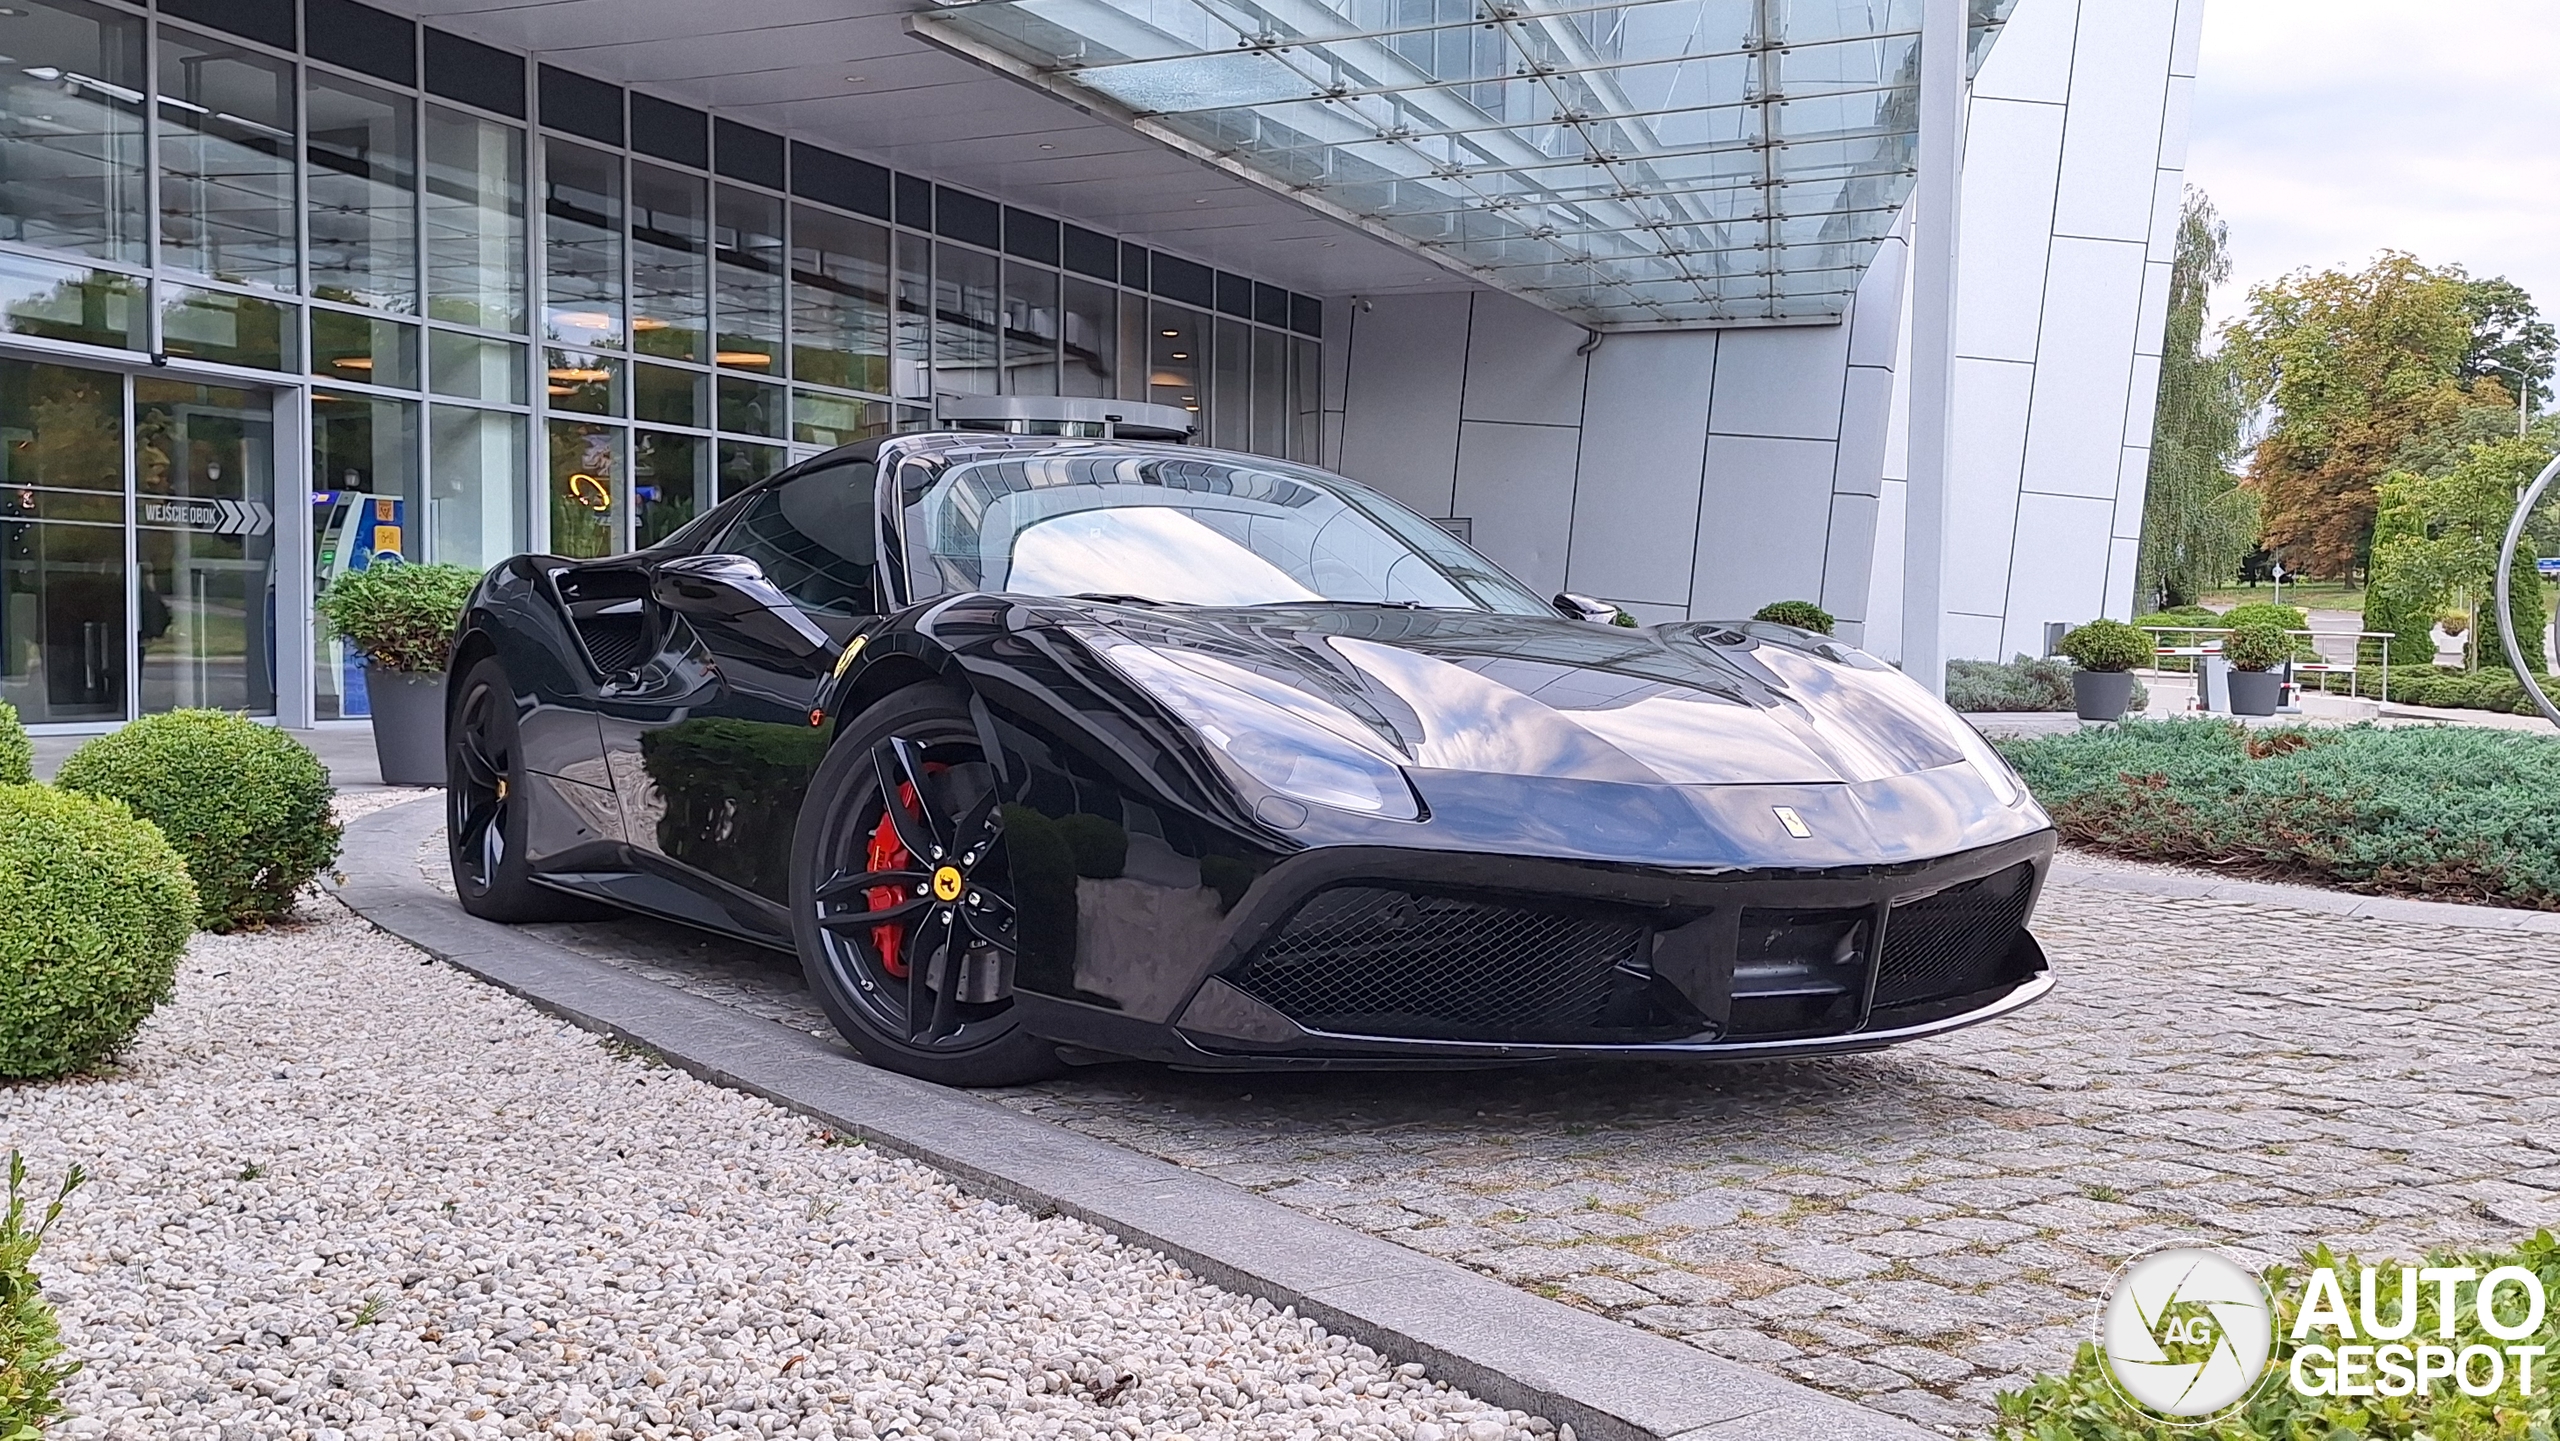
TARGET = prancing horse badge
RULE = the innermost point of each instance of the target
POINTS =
(1794, 823)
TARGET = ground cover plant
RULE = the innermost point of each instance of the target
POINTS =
(2082, 1404)
(246, 804)
(2024, 684)
(2443, 687)
(2448, 812)
(31, 1363)
(95, 908)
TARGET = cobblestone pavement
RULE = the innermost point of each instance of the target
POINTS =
(1919, 1228)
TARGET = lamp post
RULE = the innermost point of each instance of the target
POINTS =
(2524, 396)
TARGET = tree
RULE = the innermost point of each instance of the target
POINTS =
(2197, 522)
(2438, 540)
(2354, 365)
(2509, 339)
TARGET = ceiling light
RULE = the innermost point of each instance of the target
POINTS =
(1182, 355)
(581, 376)
(853, 79)
(742, 357)
(1173, 332)
(1045, 145)
(352, 362)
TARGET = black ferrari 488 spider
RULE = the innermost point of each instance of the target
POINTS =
(1040, 750)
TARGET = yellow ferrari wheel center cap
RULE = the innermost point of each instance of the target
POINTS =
(946, 884)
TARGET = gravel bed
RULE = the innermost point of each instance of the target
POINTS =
(342, 1192)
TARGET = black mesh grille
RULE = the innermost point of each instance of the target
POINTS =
(1370, 961)
(1954, 943)
(613, 642)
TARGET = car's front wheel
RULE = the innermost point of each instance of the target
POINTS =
(900, 900)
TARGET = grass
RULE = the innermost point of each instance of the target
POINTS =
(2310, 595)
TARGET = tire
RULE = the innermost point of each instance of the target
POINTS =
(486, 800)
(878, 979)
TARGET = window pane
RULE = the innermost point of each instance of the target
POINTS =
(748, 241)
(667, 395)
(667, 475)
(70, 302)
(835, 419)
(839, 300)
(362, 145)
(743, 464)
(586, 481)
(475, 221)
(232, 329)
(1092, 339)
(226, 162)
(670, 263)
(204, 474)
(1174, 367)
(966, 314)
(1306, 400)
(914, 362)
(1231, 388)
(1030, 330)
(364, 504)
(1270, 393)
(582, 245)
(1136, 347)
(475, 369)
(475, 485)
(363, 349)
(62, 583)
(71, 129)
(583, 381)
(750, 407)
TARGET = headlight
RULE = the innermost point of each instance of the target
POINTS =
(1275, 745)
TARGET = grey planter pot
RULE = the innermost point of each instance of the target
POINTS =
(2255, 692)
(408, 725)
(2102, 695)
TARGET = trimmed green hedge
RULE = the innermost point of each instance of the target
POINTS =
(246, 804)
(2082, 1404)
(2024, 684)
(17, 759)
(95, 908)
(31, 1364)
(2107, 645)
(2451, 812)
(1802, 614)
(2443, 687)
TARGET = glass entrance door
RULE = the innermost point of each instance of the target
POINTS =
(204, 476)
(62, 543)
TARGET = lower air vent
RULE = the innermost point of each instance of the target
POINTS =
(1953, 944)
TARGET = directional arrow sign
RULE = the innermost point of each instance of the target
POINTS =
(217, 517)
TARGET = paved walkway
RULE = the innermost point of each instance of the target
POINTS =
(1920, 1228)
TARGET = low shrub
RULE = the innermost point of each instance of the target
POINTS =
(2082, 1404)
(401, 616)
(1802, 614)
(2024, 684)
(2443, 687)
(2257, 646)
(2259, 612)
(17, 759)
(246, 804)
(2107, 645)
(95, 907)
(31, 1364)
(2450, 812)
(2454, 622)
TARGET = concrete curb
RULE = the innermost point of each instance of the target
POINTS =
(1608, 1381)
(2069, 869)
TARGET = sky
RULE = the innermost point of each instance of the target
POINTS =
(2327, 130)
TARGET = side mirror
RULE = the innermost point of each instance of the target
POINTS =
(1583, 607)
(731, 592)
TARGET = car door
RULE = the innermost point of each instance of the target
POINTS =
(709, 742)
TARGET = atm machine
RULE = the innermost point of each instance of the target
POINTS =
(352, 530)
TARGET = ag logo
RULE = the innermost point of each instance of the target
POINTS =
(2187, 1332)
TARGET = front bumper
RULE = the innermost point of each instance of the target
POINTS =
(1367, 956)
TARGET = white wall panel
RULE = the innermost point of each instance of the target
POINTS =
(1865, 412)
(1884, 585)
(2059, 571)
(1763, 524)
(1782, 381)
(2142, 398)
(2112, 142)
(2011, 159)
(1973, 637)
(1515, 482)
(2032, 58)
(1848, 564)
(1875, 315)
(2189, 40)
(2123, 558)
(2084, 365)
(1340, 333)
(2133, 483)
(2181, 97)
(1407, 369)
(1644, 438)
(1992, 398)
(1521, 364)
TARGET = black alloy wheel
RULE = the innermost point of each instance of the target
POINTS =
(486, 806)
(901, 897)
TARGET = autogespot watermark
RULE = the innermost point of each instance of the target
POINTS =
(2189, 1333)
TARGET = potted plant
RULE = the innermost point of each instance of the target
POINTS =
(402, 618)
(2106, 652)
(2255, 651)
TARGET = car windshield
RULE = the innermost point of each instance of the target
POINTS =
(1177, 529)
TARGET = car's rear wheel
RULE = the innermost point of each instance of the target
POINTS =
(486, 807)
(900, 899)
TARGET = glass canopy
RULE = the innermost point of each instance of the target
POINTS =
(1645, 164)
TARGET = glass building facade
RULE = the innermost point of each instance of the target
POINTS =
(287, 288)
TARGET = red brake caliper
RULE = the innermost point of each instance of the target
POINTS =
(887, 854)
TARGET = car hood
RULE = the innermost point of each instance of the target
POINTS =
(1684, 704)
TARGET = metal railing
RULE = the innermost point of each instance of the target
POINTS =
(2193, 644)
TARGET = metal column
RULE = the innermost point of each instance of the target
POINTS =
(1943, 42)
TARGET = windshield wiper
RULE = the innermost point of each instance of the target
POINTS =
(1362, 604)
(1108, 597)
